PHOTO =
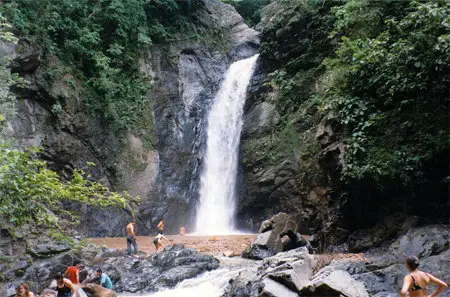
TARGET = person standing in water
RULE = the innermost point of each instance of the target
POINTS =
(161, 226)
(416, 281)
(157, 241)
(131, 238)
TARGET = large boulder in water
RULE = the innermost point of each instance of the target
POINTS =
(275, 235)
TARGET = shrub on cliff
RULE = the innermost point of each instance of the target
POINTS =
(31, 193)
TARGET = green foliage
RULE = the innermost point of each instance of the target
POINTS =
(6, 78)
(365, 18)
(391, 92)
(56, 108)
(100, 42)
(31, 193)
(74, 245)
(250, 10)
(381, 69)
(300, 54)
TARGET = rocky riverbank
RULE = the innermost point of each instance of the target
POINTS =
(36, 258)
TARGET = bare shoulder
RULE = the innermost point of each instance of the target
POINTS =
(436, 281)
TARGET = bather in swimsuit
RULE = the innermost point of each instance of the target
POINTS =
(415, 286)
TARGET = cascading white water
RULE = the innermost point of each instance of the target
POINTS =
(216, 211)
(211, 283)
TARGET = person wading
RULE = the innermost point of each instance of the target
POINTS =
(131, 238)
(416, 281)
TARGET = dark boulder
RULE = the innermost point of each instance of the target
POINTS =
(275, 235)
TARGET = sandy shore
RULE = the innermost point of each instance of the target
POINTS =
(206, 244)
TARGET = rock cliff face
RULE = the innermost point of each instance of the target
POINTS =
(71, 139)
(272, 184)
(293, 150)
(187, 75)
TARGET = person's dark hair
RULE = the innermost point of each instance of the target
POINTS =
(25, 286)
(99, 270)
(76, 262)
(412, 262)
(60, 275)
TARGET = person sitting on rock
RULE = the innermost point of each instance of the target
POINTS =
(64, 286)
(24, 291)
(292, 240)
(157, 241)
(416, 281)
(103, 279)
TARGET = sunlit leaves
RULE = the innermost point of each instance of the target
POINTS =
(32, 193)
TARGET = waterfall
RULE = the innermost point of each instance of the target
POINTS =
(216, 210)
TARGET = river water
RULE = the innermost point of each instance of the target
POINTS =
(208, 284)
(216, 210)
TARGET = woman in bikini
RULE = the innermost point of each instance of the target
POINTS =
(416, 281)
